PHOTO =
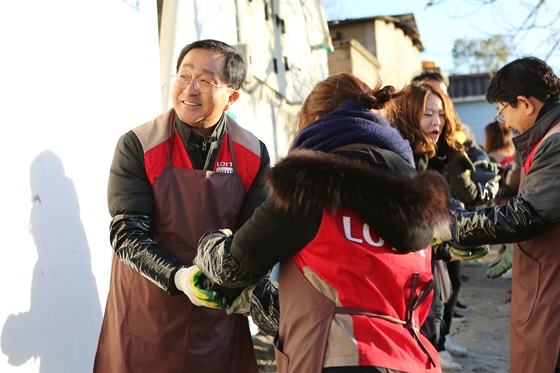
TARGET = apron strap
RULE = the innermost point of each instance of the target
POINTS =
(230, 140)
(171, 147)
(412, 305)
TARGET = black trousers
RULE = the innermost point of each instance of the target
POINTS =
(437, 338)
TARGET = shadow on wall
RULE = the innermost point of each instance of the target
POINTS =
(62, 326)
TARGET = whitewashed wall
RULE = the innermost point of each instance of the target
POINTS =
(74, 76)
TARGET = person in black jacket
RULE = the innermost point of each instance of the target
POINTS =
(190, 170)
(351, 222)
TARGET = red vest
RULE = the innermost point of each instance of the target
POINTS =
(156, 140)
(144, 328)
(370, 286)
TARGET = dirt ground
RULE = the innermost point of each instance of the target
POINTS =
(485, 332)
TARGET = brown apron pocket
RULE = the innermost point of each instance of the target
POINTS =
(282, 361)
(525, 294)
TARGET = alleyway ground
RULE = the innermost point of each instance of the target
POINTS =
(485, 332)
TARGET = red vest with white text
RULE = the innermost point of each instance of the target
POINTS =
(156, 139)
(354, 268)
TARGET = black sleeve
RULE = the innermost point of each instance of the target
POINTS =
(271, 236)
(130, 204)
(513, 222)
(129, 190)
(132, 241)
(231, 262)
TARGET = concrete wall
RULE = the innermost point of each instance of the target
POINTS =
(394, 59)
(352, 56)
(399, 59)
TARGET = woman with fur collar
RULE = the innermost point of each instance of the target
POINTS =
(351, 223)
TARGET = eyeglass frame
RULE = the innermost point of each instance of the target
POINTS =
(499, 117)
(196, 83)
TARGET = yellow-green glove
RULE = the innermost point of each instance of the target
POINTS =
(187, 280)
(468, 253)
(502, 264)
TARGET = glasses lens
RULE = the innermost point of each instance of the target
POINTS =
(203, 86)
(499, 117)
(180, 81)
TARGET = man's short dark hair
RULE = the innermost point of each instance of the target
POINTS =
(431, 75)
(235, 69)
(526, 76)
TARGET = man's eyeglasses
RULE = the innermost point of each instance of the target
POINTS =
(201, 85)
(499, 117)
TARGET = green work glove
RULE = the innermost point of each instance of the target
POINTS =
(467, 253)
(502, 264)
(188, 281)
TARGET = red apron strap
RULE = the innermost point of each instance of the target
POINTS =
(529, 161)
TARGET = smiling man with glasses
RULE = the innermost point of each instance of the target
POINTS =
(191, 170)
(528, 95)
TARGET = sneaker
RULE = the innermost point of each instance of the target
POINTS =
(453, 348)
(461, 307)
(447, 363)
(457, 317)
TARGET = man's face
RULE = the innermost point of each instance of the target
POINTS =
(521, 117)
(203, 109)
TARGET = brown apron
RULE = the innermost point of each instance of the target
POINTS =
(535, 305)
(164, 333)
(301, 347)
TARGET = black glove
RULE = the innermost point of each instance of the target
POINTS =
(485, 171)
(449, 251)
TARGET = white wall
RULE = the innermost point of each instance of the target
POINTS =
(74, 76)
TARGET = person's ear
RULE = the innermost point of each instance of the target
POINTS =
(231, 99)
(526, 104)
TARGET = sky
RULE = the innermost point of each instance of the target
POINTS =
(441, 24)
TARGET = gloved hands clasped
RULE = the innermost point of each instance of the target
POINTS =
(450, 250)
(188, 281)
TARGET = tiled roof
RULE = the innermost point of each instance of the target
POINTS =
(470, 85)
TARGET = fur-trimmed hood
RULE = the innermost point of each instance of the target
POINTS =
(403, 211)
